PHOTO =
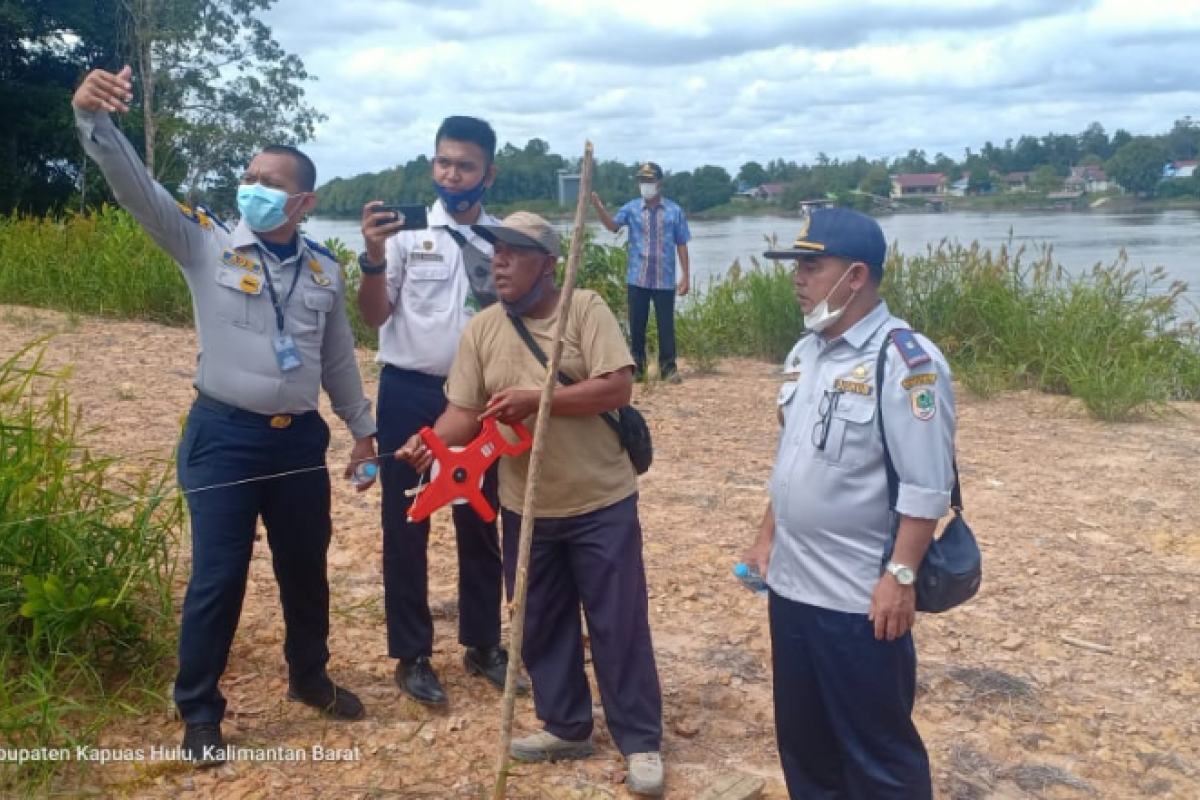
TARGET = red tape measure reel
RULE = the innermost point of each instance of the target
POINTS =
(460, 472)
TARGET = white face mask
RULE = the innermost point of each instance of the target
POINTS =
(821, 317)
(648, 190)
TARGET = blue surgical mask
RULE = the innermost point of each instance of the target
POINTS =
(263, 208)
(458, 202)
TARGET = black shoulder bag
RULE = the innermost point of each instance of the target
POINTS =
(952, 570)
(479, 269)
(627, 422)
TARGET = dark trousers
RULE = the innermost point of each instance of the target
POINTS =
(843, 707)
(596, 559)
(639, 317)
(222, 448)
(408, 401)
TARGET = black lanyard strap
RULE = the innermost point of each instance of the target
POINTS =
(275, 296)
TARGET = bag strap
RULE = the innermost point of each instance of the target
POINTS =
(458, 238)
(893, 479)
(540, 354)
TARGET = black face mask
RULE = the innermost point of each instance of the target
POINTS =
(521, 305)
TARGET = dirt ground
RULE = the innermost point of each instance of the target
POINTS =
(1074, 674)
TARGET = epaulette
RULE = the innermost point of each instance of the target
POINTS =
(910, 349)
(317, 247)
(202, 217)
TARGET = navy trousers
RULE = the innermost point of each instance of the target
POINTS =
(639, 317)
(843, 707)
(223, 447)
(594, 559)
(408, 401)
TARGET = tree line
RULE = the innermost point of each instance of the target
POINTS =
(525, 175)
(212, 87)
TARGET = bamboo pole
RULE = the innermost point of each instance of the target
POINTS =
(517, 622)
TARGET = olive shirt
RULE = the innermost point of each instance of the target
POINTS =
(584, 467)
(829, 491)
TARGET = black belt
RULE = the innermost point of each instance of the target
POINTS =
(277, 421)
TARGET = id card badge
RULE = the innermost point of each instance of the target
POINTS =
(286, 354)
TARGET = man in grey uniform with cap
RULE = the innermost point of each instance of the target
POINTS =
(270, 314)
(840, 616)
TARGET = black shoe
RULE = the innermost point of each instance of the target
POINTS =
(417, 679)
(492, 663)
(330, 699)
(203, 745)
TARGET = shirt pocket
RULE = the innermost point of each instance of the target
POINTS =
(427, 287)
(238, 298)
(310, 315)
(851, 432)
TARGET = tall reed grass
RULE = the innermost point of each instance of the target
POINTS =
(86, 570)
(1117, 337)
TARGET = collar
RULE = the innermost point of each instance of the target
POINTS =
(439, 217)
(661, 206)
(862, 331)
(243, 237)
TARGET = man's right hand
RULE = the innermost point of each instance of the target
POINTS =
(758, 555)
(104, 91)
(376, 236)
(597, 202)
(416, 453)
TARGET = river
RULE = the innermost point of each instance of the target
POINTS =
(1080, 240)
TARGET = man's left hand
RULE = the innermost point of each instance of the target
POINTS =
(684, 286)
(363, 451)
(893, 608)
(512, 405)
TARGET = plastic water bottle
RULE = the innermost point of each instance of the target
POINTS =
(750, 578)
(365, 472)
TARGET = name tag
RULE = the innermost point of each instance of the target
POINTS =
(429, 272)
(418, 256)
(244, 282)
(853, 387)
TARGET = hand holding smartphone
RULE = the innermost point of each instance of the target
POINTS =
(412, 216)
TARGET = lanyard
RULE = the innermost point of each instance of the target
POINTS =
(275, 296)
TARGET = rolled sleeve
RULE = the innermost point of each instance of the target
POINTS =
(918, 405)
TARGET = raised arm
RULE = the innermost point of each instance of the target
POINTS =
(178, 231)
(605, 218)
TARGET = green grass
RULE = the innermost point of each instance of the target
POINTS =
(1006, 318)
(86, 570)
(1113, 337)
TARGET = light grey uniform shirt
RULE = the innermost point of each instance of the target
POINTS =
(226, 272)
(830, 503)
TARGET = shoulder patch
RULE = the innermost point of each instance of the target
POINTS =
(317, 247)
(910, 349)
(201, 216)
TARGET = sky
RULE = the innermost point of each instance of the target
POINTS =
(692, 82)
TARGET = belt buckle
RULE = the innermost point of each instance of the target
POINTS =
(280, 421)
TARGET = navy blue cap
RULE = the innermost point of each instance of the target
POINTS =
(650, 172)
(839, 232)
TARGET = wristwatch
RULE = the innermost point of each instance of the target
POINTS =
(367, 268)
(903, 575)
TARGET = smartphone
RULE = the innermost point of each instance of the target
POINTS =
(413, 216)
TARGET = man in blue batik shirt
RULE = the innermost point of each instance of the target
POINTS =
(658, 232)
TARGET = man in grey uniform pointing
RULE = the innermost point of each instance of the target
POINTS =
(841, 617)
(270, 314)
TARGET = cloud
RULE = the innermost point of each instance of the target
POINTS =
(723, 82)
